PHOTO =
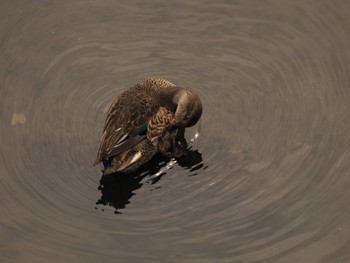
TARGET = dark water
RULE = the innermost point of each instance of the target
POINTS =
(270, 181)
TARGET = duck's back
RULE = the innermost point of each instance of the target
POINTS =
(129, 114)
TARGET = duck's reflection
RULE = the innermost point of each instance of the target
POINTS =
(117, 189)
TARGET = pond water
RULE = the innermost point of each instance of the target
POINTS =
(268, 178)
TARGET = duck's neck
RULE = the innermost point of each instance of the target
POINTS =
(180, 96)
(177, 100)
(181, 100)
(171, 97)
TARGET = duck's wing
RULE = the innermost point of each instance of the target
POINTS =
(126, 121)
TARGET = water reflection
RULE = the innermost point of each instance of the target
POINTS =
(117, 189)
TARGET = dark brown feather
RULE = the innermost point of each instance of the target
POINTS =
(123, 118)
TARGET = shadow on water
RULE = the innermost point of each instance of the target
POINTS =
(118, 188)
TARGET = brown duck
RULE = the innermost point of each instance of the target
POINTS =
(143, 121)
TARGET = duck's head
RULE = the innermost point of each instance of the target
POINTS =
(188, 110)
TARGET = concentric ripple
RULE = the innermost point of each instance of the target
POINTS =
(266, 180)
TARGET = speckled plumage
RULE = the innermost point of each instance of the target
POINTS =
(143, 121)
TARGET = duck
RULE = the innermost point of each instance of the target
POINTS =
(143, 121)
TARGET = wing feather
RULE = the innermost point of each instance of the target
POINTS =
(127, 114)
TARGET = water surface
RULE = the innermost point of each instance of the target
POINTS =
(269, 178)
